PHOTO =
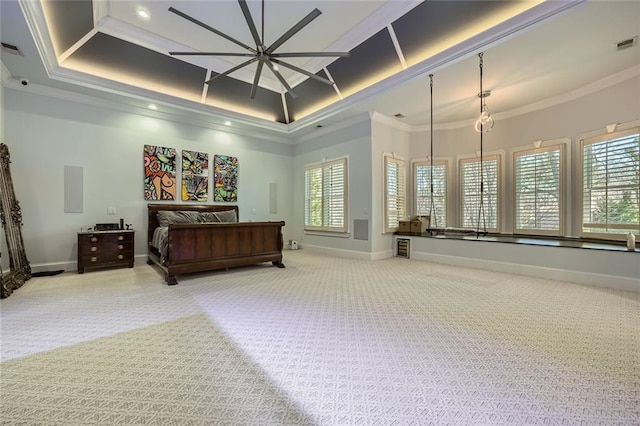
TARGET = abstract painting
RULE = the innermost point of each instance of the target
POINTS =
(226, 178)
(159, 173)
(195, 176)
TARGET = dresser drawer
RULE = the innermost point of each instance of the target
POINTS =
(105, 249)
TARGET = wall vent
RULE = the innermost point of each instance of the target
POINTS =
(10, 48)
(399, 115)
(625, 44)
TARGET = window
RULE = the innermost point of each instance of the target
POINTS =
(470, 189)
(395, 201)
(325, 200)
(538, 190)
(611, 183)
(422, 191)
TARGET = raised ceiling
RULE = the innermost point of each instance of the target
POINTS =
(534, 50)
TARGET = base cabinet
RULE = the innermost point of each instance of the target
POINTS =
(102, 249)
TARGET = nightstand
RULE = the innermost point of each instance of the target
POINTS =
(101, 249)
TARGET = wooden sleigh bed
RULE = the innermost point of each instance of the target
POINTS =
(197, 246)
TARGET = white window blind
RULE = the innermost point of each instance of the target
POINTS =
(325, 203)
(422, 191)
(395, 192)
(538, 190)
(611, 183)
(470, 191)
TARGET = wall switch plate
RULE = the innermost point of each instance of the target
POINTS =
(111, 210)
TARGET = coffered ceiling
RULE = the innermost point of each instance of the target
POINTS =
(105, 47)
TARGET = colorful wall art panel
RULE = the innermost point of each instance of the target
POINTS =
(195, 176)
(159, 173)
(226, 178)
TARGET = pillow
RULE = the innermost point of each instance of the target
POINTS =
(167, 217)
(223, 216)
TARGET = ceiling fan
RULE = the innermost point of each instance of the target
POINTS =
(264, 55)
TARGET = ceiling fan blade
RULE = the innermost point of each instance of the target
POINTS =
(250, 23)
(213, 30)
(305, 72)
(210, 54)
(229, 71)
(256, 78)
(282, 80)
(311, 54)
(297, 27)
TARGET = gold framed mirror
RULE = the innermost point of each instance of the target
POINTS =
(11, 216)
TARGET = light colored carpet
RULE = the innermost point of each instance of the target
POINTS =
(326, 341)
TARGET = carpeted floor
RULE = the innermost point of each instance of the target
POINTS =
(326, 341)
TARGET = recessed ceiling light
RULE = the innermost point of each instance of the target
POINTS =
(143, 14)
(153, 106)
(227, 123)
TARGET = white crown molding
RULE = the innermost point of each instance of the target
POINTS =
(201, 117)
(34, 16)
(581, 92)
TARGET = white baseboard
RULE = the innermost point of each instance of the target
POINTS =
(587, 278)
(351, 254)
(71, 266)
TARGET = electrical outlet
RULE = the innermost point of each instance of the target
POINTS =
(111, 210)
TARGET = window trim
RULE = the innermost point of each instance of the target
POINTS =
(546, 146)
(385, 207)
(437, 161)
(629, 129)
(326, 230)
(499, 155)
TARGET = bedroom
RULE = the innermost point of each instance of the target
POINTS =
(346, 333)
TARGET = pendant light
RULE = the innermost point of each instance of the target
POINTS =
(485, 122)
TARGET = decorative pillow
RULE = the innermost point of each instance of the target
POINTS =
(167, 217)
(207, 217)
(223, 216)
(226, 216)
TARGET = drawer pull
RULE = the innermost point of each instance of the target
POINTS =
(120, 246)
(120, 237)
(94, 248)
(94, 259)
(120, 257)
(94, 239)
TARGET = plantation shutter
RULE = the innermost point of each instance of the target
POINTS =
(470, 190)
(334, 176)
(422, 191)
(611, 183)
(396, 200)
(538, 191)
(326, 196)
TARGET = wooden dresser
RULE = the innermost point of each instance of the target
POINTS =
(100, 249)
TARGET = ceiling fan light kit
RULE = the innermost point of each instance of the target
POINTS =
(262, 53)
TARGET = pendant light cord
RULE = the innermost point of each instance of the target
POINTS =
(432, 216)
(481, 211)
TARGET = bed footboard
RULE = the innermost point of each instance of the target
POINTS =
(210, 246)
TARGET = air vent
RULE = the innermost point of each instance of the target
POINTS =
(625, 44)
(398, 115)
(11, 49)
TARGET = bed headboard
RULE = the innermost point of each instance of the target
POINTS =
(153, 210)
